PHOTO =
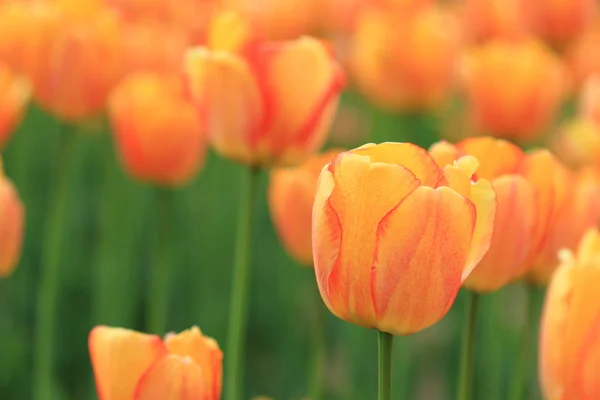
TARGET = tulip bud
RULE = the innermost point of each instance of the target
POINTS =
(569, 350)
(137, 366)
(157, 131)
(514, 88)
(12, 218)
(291, 196)
(15, 92)
(269, 103)
(395, 236)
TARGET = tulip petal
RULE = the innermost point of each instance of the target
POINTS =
(445, 153)
(12, 215)
(173, 378)
(119, 358)
(421, 251)
(496, 157)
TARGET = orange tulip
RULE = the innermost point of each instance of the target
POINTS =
(570, 330)
(14, 95)
(583, 57)
(129, 365)
(578, 143)
(12, 218)
(515, 219)
(491, 19)
(590, 100)
(395, 236)
(291, 196)
(265, 103)
(514, 89)
(157, 130)
(405, 61)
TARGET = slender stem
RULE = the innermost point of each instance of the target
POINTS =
(238, 307)
(159, 279)
(319, 349)
(50, 269)
(467, 360)
(525, 348)
(385, 365)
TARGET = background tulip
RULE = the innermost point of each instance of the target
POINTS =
(394, 236)
(492, 19)
(12, 218)
(570, 330)
(14, 95)
(578, 143)
(582, 58)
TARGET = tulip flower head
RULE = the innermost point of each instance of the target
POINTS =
(489, 19)
(569, 354)
(12, 217)
(578, 143)
(264, 103)
(395, 236)
(291, 196)
(583, 59)
(129, 365)
(14, 95)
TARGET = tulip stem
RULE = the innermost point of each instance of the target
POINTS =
(238, 306)
(527, 341)
(47, 296)
(317, 367)
(385, 365)
(159, 279)
(467, 360)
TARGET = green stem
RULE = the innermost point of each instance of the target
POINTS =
(525, 348)
(319, 348)
(385, 365)
(467, 360)
(50, 269)
(238, 306)
(159, 279)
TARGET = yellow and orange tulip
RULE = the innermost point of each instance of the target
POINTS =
(493, 19)
(14, 95)
(569, 352)
(129, 365)
(291, 197)
(406, 61)
(578, 143)
(264, 103)
(514, 88)
(158, 133)
(395, 235)
(12, 217)
(583, 57)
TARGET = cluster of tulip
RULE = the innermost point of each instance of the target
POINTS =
(393, 230)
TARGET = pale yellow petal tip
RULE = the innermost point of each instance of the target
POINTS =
(566, 256)
(589, 246)
(467, 163)
(229, 31)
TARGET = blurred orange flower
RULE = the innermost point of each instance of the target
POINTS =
(405, 61)
(590, 99)
(514, 88)
(570, 330)
(395, 236)
(158, 133)
(12, 217)
(14, 95)
(577, 143)
(583, 56)
(265, 103)
(132, 365)
(493, 19)
(516, 213)
(291, 196)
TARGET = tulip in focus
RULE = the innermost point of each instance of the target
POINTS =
(514, 88)
(14, 95)
(513, 236)
(569, 353)
(129, 365)
(12, 218)
(405, 61)
(158, 133)
(291, 197)
(395, 236)
(264, 103)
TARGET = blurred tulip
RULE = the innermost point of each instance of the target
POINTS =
(14, 95)
(590, 99)
(157, 131)
(291, 197)
(405, 61)
(132, 365)
(514, 88)
(578, 143)
(515, 216)
(269, 103)
(583, 57)
(492, 19)
(569, 350)
(395, 236)
(12, 218)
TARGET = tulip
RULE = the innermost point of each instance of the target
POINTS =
(490, 19)
(291, 195)
(157, 131)
(129, 365)
(590, 100)
(404, 61)
(11, 226)
(513, 88)
(578, 143)
(582, 57)
(264, 103)
(569, 346)
(389, 226)
(15, 92)
(515, 218)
